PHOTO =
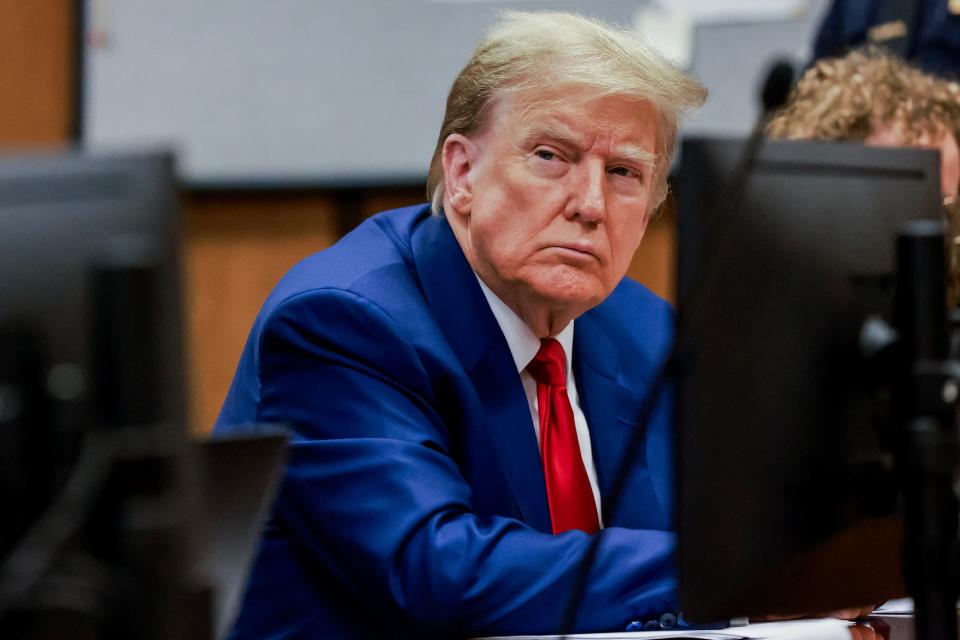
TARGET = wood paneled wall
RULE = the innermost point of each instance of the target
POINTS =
(653, 263)
(35, 72)
(237, 244)
(237, 247)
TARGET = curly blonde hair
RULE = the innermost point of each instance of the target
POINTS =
(848, 98)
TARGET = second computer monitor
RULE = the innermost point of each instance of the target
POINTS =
(787, 500)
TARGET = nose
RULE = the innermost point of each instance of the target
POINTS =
(591, 205)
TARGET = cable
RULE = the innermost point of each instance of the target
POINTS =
(32, 559)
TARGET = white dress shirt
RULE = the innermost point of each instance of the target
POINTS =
(524, 345)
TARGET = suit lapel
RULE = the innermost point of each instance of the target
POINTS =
(469, 326)
(605, 402)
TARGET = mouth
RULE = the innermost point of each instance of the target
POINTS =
(577, 251)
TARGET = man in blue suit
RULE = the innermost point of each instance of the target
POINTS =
(462, 379)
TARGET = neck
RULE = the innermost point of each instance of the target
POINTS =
(545, 321)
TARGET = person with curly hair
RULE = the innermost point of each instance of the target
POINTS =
(874, 97)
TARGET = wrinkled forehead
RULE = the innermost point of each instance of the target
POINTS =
(523, 109)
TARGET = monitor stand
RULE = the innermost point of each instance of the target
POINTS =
(925, 400)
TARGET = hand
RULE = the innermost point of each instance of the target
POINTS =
(874, 629)
(862, 632)
(852, 613)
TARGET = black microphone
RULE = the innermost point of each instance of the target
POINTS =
(777, 86)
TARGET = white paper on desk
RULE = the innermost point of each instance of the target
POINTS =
(898, 607)
(821, 629)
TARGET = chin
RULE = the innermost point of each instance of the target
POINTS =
(571, 293)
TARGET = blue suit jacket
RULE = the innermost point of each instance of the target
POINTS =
(414, 500)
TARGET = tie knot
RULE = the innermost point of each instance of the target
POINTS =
(549, 365)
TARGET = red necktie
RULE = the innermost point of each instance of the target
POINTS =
(568, 489)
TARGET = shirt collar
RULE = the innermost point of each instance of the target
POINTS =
(523, 343)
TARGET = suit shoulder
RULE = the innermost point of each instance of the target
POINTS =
(643, 305)
(380, 244)
(637, 320)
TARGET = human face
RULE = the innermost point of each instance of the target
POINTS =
(550, 201)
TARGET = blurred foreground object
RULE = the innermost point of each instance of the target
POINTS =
(106, 532)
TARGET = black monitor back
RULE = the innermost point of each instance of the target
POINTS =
(84, 243)
(787, 501)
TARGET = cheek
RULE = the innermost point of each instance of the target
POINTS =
(520, 209)
(624, 243)
(631, 247)
(497, 232)
(627, 235)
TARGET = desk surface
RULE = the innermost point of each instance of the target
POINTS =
(877, 627)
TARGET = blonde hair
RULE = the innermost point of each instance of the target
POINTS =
(535, 53)
(848, 98)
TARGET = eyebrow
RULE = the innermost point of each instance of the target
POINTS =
(628, 153)
(549, 130)
(634, 154)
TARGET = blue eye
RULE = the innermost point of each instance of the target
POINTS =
(546, 154)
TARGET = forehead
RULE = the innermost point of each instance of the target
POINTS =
(578, 114)
(899, 133)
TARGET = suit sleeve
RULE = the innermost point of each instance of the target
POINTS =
(372, 493)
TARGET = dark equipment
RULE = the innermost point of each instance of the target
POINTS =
(812, 381)
(105, 532)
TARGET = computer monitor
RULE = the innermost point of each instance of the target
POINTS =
(787, 501)
(91, 350)
(76, 231)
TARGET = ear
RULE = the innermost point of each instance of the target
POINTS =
(458, 159)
